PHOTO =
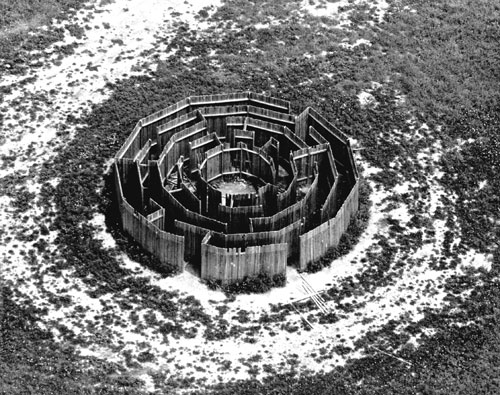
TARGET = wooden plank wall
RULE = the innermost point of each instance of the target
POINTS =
(167, 247)
(314, 138)
(215, 114)
(130, 180)
(214, 198)
(143, 155)
(269, 103)
(182, 127)
(157, 219)
(306, 161)
(193, 235)
(188, 199)
(288, 235)
(194, 132)
(238, 218)
(329, 208)
(198, 147)
(275, 117)
(222, 99)
(210, 197)
(244, 136)
(176, 211)
(301, 124)
(232, 265)
(261, 166)
(151, 122)
(234, 125)
(268, 195)
(240, 98)
(271, 149)
(330, 181)
(211, 167)
(315, 243)
(289, 196)
(224, 160)
(299, 211)
(217, 117)
(132, 144)
(242, 199)
(178, 146)
(265, 130)
(167, 160)
(118, 182)
(339, 142)
(146, 128)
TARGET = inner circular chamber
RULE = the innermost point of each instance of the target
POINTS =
(236, 185)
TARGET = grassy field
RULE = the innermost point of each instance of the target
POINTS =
(429, 65)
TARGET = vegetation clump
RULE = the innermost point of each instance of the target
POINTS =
(259, 284)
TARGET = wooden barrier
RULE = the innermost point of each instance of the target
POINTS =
(315, 243)
(188, 199)
(242, 199)
(224, 99)
(306, 160)
(288, 235)
(177, 211)
(314, 138)
(150, 123)
(241, 98)
(234, 125)
(157, 218)
(268, 102)
(198, 147)
(265, 130)
(268, 195)
(271, 149)
(133, 188)
(179, 145)
(193, 235)
(301, 124)
(143, 153)
(182, 127)
(339, 143)
(146, 129)
(238, 218)
(289, 196)
(167, 247)
(232, 264)
(275, 117)
(224, 160)
(243, 136)
(303, 210)
(132, 144)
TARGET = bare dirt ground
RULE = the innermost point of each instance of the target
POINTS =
(236, 186)
(248, 335)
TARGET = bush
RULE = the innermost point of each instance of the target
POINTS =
(260, 284)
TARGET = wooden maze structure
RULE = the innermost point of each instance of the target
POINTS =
(301, 169)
